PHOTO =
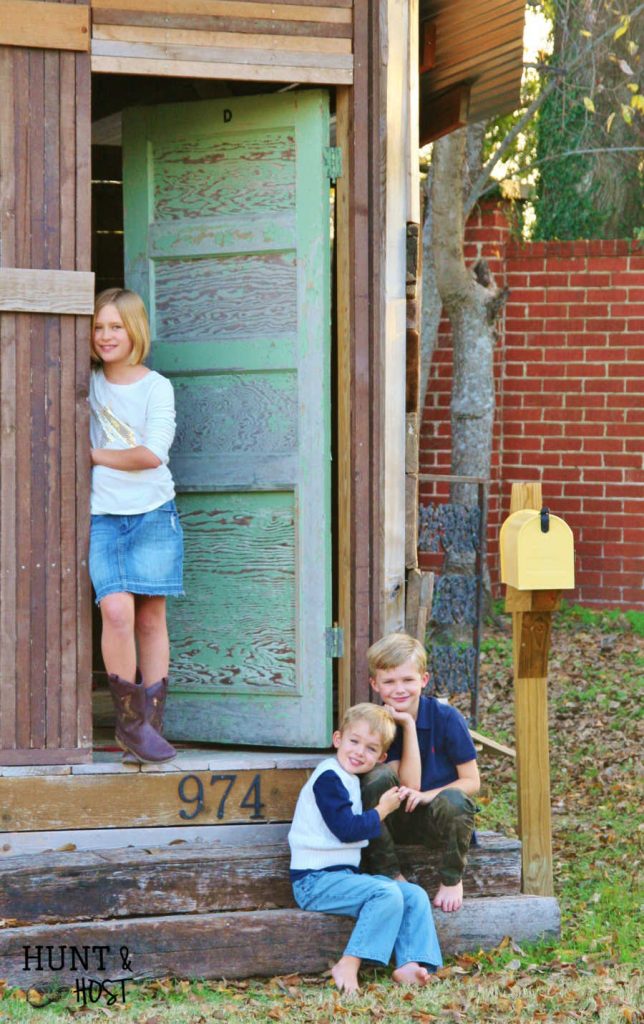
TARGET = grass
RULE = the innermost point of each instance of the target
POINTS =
(592, 974)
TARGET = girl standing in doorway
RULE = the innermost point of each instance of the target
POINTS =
(136, 543)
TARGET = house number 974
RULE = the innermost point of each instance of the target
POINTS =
(191, 791)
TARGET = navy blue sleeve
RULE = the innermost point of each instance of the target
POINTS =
(458, 741)
(334, 805)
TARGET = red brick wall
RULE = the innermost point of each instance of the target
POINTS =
(570, 398)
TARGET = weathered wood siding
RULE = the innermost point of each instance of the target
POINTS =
(262, 40)
(44, 455)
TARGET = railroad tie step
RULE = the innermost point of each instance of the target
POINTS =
(203, 878)
(240, 944)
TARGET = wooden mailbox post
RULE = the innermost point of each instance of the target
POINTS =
(537, 563)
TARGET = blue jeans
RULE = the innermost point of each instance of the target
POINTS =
(392, 916)
(137, 554)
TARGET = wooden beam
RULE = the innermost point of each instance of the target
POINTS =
(148, 799)
(362, 285)
(219, 54)
(427, 45)
(282, 11)
(55, 756)
(106, 24)
(530, 640)
(491, 745)
(343, 232)
(46, 291)
(236, 72)
(282, 941)
(43, 25)
(445, 113)
(206, 877)
(257, 41)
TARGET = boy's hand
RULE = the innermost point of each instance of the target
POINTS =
(403, 718)
(389, 801)
(416, 797)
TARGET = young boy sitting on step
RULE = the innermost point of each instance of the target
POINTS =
(329, 831)
(432, 759)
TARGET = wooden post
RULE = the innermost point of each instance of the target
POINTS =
(531, 621)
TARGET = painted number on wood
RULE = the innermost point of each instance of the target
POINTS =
(191, 791)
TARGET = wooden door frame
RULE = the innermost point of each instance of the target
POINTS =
(366, 559)
(378, 187)
(368, 369)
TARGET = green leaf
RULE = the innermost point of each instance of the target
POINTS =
(609, 121)
(627, 114)
(623, 27)
(637, 103)
(589, 105)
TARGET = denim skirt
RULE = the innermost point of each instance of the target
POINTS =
(139, 554)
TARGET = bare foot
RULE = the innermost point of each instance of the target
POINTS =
(345, 974)
(411, 974)
(449, 897)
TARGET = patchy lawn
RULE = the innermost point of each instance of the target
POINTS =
(592, 975)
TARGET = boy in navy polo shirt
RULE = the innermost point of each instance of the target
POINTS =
(433, 760)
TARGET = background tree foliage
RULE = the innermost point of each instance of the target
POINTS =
(577, 132)
(590, 164)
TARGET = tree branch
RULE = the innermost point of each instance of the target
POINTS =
(571, 152)
(587, 52)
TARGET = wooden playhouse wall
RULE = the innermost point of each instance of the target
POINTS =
(45, 286)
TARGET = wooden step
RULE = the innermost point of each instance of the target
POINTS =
(204, 878)
(244, 944)
(20, 844)
(197, 788)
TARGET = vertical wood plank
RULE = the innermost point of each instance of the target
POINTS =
(23, 535)
(7, 415)
(343, 111)
(68, 569)
(82, 694)
(36, 558)
(22, 172)
(51, 564)
(376, 249)
(360, 393)
(525, 495)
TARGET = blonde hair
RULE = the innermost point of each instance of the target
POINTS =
(135, 320)
(378, 719)
(394, 649)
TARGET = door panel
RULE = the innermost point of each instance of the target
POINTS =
(227, 239)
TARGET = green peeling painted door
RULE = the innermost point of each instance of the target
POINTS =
(227, 239)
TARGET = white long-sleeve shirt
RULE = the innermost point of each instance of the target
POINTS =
(124, 416)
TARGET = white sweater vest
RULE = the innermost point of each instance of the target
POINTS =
(313, 845)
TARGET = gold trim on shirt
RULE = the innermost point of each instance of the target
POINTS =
(113, 428)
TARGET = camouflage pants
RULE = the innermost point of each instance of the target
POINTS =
(446, 823)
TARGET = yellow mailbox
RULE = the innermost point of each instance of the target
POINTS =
(537, 551)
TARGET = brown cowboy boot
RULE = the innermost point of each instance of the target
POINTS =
(134, 733)
(155, 698)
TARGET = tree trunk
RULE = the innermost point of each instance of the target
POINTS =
(472, 308)
(431, 308)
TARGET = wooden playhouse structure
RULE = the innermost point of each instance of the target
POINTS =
(251, 168)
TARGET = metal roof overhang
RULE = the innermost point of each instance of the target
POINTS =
(470, 63)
